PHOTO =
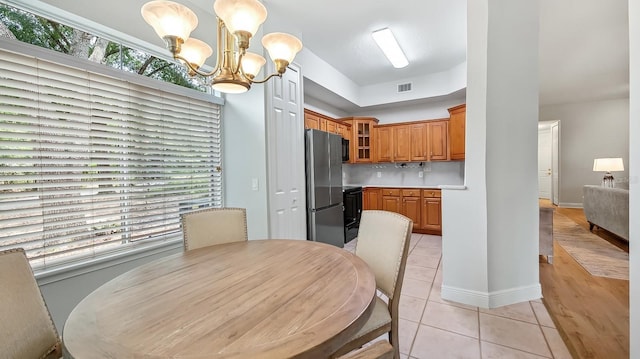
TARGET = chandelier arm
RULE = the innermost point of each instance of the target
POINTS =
(267, 78)
(194, 69)
(238, 68)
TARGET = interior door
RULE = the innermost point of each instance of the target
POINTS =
(544, 162)
(555, 161)
(285, 156)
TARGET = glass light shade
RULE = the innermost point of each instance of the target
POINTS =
(229, 87)
(252, 63)
(169, 18)
(241, 15)
(281, 46)
(195, 51)
(608, 165)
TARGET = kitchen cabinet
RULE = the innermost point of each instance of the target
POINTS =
(457, 125)
(437, 140)
(362, 141)
(324, 123)
(402, 143)
(391, 200)
(411, 206)
(384, 145)
(371, 198)
(418, 140)
(431, 211)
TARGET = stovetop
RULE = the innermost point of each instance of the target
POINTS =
(351, 188)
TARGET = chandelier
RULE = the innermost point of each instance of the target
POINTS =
(238, 21)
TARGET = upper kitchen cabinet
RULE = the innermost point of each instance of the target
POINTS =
(362, 138)
(457, 123)
(384, 144)
(418, 141)
(324, 123)
(437, 140)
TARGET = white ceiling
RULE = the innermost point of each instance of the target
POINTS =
(583, 43)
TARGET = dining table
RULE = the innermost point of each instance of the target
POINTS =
(271, 298)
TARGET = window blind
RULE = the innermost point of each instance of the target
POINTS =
(91, 163)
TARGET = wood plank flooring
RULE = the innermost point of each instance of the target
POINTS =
(591, 313)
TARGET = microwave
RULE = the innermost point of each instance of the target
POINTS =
(345, 150)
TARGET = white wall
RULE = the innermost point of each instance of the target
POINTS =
(588, 130)
(413, 112)
(634, 183)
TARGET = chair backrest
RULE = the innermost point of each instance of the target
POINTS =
(26, 327)
(212, 226)
(383, 242)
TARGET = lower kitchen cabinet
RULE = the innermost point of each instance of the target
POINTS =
(431, 211)
(422, 206)
(371, 198)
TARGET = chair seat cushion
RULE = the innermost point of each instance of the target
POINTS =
(380, 317)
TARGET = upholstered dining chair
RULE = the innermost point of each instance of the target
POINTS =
(378, 350)
(210, 226)
(26, 327)
(383, 243)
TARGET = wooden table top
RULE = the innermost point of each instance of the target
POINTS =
(254, 299)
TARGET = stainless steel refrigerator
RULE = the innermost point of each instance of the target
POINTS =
(325, 220)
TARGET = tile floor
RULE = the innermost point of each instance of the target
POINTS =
(431, 327)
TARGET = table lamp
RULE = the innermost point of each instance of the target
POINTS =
(608, 165)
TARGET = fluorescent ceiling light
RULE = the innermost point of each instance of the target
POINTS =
(388, 44)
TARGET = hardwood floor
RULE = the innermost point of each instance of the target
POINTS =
(591, 313)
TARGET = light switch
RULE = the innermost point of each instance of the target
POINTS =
(420, 174)
(254, 184)
(379, 174)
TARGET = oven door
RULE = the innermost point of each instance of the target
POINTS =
(352, 213)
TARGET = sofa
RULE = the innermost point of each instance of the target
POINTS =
(607, 208)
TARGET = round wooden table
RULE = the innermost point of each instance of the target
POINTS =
(254, 299)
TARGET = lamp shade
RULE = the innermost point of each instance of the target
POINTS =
(281, 46)
(252, 63)
(195, 51)
(608, 165)
(169, 18)
(241, 15)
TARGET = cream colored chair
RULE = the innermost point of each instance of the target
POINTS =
(383, 242)
(26, 327)
(378, 350)
(212, 226)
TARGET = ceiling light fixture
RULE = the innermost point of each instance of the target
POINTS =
(238, 21)
(388, 44)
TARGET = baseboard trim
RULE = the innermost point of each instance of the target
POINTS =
(492, 299)
(569, 205)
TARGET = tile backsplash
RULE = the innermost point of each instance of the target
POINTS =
(417, 174)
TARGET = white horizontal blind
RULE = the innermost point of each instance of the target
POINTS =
(92, 163)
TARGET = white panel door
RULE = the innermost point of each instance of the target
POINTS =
(555, 161)
(285, 156)
(544, 163)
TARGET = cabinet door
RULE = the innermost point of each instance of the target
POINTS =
(362, 144)
(411, 209)
(311, 121)
(371, 199)
(323, 124)
(384, 145)
(331, 126)
(402, 143)
(438, 141)
(419, 142)
(391, 203)
(457, 123)
(431, 208)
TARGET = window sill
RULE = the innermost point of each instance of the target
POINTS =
(73, 269)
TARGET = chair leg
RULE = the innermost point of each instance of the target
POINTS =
(591, 225)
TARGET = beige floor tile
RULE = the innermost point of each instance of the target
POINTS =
(406, 332)
(430, 241)
(416, 288)
(542, 314)
(451, 318)
(436, 343)
(426, 251)
(513, 333)
(411, 308)
(420, 273)
(519, 311)
(558, 348)
(424, 261)
(495, 351)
